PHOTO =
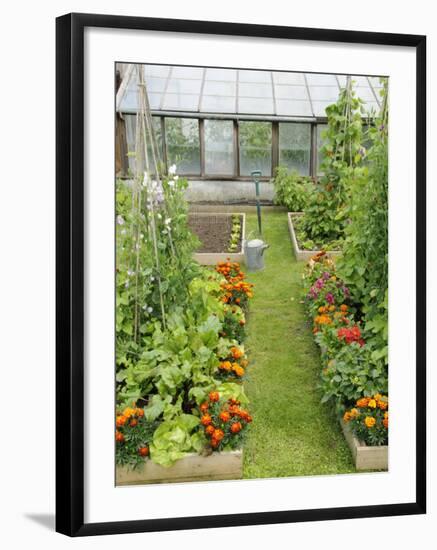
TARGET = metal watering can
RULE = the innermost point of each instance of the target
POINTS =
(254, 254)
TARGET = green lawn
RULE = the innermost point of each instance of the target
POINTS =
(292, 433)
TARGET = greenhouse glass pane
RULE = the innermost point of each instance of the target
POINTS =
(375, 81)
(181, 102)
(321, 79)
(218, 104)
(321, 141)
(286, 107)
(183, 146)
(219, 147)
(156, 70)
(295, 146)
(255, 106)
(214, 87)
(288, 78)
(320, 106)
(130, 122)
(291, 92)
(155, 84)
(246, 89)
(181, 86)
(221, 74)
(255, 76)
(366, 94)
(187, 72)
(324, 93)
(255, 147)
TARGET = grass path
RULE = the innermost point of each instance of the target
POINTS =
(292, 433)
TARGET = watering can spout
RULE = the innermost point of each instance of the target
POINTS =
(265, 245)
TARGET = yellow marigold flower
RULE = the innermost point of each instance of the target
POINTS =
(377, 396)
(333, 278)
(331, 308)
(386, 415)
(372, 403)
(128, 412)
(369, 421)
(354, 413)
(321, 309)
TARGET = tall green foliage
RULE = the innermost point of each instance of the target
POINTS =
(325, 215)
(364, 265)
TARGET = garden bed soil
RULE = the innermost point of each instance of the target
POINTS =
(365, 456)
(214, 232)
(194, 467)
(303, 255)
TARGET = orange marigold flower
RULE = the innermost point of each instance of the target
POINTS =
(237, 353)
(343, 307)
(239, 371)
(331, 308)
(354, 413)
(347, 416)
(209, 430)
(321, 309)
(385, 423)
(225, 416)
(139, 412)
(362, 403)
(206, 419)
(369, 421)
(383, 405)
(214, 443)
(214, 396)
(218, 434)
(143, 451)
(226, 365)
(119, 436)
(236, 427)
(133, 423)
(204, 407)
(121, 420)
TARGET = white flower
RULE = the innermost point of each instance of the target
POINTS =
(171, 183)
(120, 220)
(172, 169)
(176, 178)
(167, 221)
(150, 309)
(145, 307)
(159, 216)
(130, 272)
(146, 179)
(152, 278)
(126, 284)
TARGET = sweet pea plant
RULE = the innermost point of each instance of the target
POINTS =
(176, 325)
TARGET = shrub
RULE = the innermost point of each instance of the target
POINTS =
(291, 189)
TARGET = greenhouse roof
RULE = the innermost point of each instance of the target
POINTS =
(237, 93)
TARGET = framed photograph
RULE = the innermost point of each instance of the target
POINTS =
(240, 274)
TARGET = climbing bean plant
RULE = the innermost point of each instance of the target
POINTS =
(364, 265)
(327, 210)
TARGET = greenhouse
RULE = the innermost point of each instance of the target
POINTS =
(221, 124)
(251, 335)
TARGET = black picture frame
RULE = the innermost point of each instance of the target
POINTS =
(70, 272)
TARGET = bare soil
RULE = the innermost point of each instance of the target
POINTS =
(214, 232)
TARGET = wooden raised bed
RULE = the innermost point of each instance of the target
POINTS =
(194, 467)
(303, 255)
(365, 456)
(211, 258)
